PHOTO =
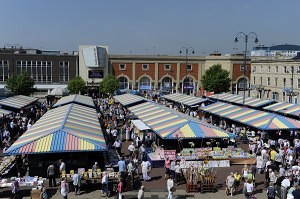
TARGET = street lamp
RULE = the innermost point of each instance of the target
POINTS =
(188, 51)
(246, 36)
(290, 91)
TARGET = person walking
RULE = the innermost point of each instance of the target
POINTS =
(248, 188)
(15, 188)
(51, 175)
(170, 187)
(76, 182)
(141, 193)
(104, 183)
(145, 166)
(120, 189)
(271, 191)
(237, 181)
(44, 194)
(230, 184)
(64, 189)
(285, 184)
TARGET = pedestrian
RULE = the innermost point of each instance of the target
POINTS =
(271, 191)
(44, 194)
(51, 175)
(141, 193)
(15, 188)
(296, 192)
(120, 189)
(64, 189)
(62, 167)
(248, 189)
(76, 182)
(230, 184)
(131, 149)
(172, 168)
(170, 187)
(177, 173)
(237, 181)
(95, 167)
(167, 166)
(145, 168)
(285, 184)
(104, 182)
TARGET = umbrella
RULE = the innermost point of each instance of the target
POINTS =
(59, 92)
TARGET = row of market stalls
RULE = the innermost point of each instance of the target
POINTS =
(68, 131)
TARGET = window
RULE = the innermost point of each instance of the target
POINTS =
(3, 70)
(145, 67)
(276, 69)
(122, 66)
(63, 71)
(261, 81)
(269, 69)
(268, 81)
(298, 71)
(242, 68)
(261, 69)
(254, 69)
(275, 96)
(291, 80)
(284, 82)
(298, 85)
(285, 69)
(276, 81)
(123, 83)
(189, 67)
(167, 83)
(167, 67)
(254, 80)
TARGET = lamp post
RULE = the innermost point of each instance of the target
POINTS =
(188, 51)
(290, 91)
(246, 36)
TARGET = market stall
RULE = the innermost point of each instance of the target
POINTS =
(140, 129)
(129, 99)
(76, 99)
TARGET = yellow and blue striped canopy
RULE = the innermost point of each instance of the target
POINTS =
(258, 119)
(69, 128)
(170, 124)
(285, 108)
(18, 101)
(128, 99)
(184, 99)
(238, 99)
(77, 99)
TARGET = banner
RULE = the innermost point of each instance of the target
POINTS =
(170, 153)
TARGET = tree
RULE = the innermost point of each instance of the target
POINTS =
(20, 84)
(76, 85)
(109, 84)
(216, 79)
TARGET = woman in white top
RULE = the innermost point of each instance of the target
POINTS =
(64, 189)
(259, 163)
(245, 172)
(145, 165)
(170, 187)
(248, 189)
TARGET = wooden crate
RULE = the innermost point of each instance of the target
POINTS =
(192, 187)
(35, 194)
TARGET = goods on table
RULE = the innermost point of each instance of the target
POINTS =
(6, 164)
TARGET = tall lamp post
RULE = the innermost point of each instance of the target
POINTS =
(188, 51)
(246, 36)
(290, 91)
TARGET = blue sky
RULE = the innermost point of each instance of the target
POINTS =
(148, 27)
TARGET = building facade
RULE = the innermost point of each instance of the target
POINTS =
(275, 78)
(49, 69)
(174, 73)
(282, 50)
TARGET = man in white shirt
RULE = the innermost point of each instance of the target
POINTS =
(104, 182)
(285, 184)
(131, 148)
(170, 187)
(62, 167)
(177, 173)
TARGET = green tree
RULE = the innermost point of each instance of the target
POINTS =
(76, 85)
(20, 84)
(109, 84)
(216, 79)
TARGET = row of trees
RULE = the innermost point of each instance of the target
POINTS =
(215, 79)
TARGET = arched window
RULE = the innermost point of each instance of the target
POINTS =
(188, 85)
(241, 83)
(166, 83)
(145, 83)
(123, 83)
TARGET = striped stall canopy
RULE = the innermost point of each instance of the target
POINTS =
(258, 119)
(4, 112)
(77, 99)
(69, 128)
(238, 99)
(285, 108)
(18, 101)
(199, 130)
(160, 119)
(184, 99)
(128, 99)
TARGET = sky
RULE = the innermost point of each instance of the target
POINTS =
(148, 27)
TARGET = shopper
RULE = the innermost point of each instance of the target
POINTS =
(141, 193)
(145, 167)
(230, 184)
(170, 187)
(64, 188)
(271, 191)
(76, 182)
(51, 175)
(44, 194)
(120, 189)
(104, 182)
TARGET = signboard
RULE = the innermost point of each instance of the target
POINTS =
(95, 73)
(144, 87)
(190, 87)
(171, 154)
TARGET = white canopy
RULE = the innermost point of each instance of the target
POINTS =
(140, 125)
